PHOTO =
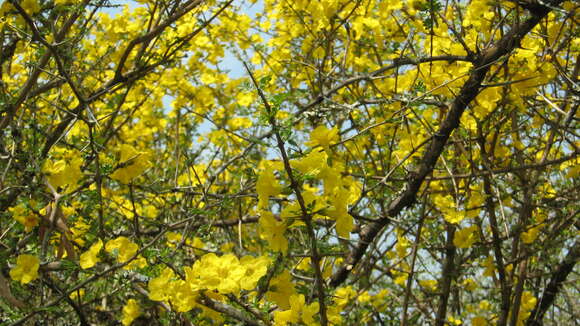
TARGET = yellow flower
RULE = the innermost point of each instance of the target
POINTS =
(227, 271)
(339, 212)
(282, 318)
(182, 296)
(465, 238)
(489, 265)
(255, 268)
(64, 2)
(126, 249)
(130, 312)
(308, 311)
(159, 287)
(528, 304)
(431, 285)
(299, 311)
(453, 216)
(311, 164)
(273, 231)
(323, 136)
(344, 295)
(138, 262)
(304, 264)
(245, 99)
(77, 294)
(454, 321)
(66, 172)
(281, 288)
(364, 297)
(26, 269)
(30, 6)
(89, 258)
(224, 274)
(478, 321)
(132, 164)
(484, 305)
(532, 234)
(267, 186)
(401, 277)
(378, 300)
(24, 216)
(470, 284)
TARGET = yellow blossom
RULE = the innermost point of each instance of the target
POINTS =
(470, 284)
(364, 297)
(218, 273)
(255, 268)
(159, 287)
(478, 321)
(26, 269)
(131, 164)
(30, 6)
(343, 295)
(89, 258)
(489, 266)
(466, 237)
(299, 311)
(312, 163)
(66, 172)
(281, 288)
(273, 230)
(431, 285)
(245, 99)
(125, 248)
(267, 186)
(323, 136)
(77, 294)
(24, 216)
(454, 321)
(131, 311)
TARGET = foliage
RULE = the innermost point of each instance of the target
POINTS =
(271, 162)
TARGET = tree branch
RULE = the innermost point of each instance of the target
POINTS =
(468, 92)
(558, 277)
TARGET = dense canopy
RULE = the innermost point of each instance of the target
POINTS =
(277, 162)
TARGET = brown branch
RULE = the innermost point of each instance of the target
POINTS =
(558, 277)
(97, 275)
(499, 259)
(307, 217)
(483, 173)
(227, 310)
(409, 286)
(447, 276)
(53, 49)
(467, 93)
(397, 62)
(24, 94)
(187, 7)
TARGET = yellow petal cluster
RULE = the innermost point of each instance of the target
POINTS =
(322, 136)
(131, 311)
(267, 185)
(24, 216)
(131, 164)
(466, 237)
(281, 289)
(90, 258)
(64, 172)
(125, 250)
(26, 269)
(273, 231)
(213, 274)
(299, 312)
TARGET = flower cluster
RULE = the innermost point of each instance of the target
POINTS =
(212, 275)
